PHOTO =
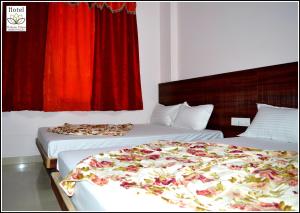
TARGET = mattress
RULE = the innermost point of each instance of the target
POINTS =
(141, 133)
(89, 198)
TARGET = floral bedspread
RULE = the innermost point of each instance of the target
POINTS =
(92, 129)
(197, 175)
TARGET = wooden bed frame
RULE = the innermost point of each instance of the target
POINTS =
(64, 201)
(233, 94)
(49, 163)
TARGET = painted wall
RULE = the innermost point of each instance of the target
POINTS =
(165, 43)
(218, 37)
(19, 129)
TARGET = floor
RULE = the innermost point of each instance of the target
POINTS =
(26, 187)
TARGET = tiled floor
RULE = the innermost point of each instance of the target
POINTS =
(26, 187)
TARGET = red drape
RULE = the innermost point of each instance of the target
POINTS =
(23, 60)
(116, 6)
(72, 57)
(116, 80)
(69, 57)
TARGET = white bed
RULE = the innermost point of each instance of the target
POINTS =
(54, 143)
(87, 197)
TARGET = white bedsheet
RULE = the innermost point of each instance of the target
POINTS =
(141, 133)
(90, 198)
(259, 143)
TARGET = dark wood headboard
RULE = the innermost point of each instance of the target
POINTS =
(235, 94)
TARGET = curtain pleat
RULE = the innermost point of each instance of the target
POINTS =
(69, 57)
(115, 6)
(116, 78)
(23, 60)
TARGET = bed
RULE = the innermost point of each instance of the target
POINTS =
(50, 144)
(233, 94)
(90, 197)
(67, 160)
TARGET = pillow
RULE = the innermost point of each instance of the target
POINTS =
(195, 117)
(267, 105)
(276, 123)
(164, 114)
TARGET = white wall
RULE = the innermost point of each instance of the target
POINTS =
(219, 37)
(165, 43)
(19, 128)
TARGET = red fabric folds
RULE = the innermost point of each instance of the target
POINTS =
(116, 6)
(69, 57)
(72, 58)
(23, 60)
(116, 78)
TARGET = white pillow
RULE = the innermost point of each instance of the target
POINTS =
(276, 123)
(195, 117)
(164, 114)
(267, 105)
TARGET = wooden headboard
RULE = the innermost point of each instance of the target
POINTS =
(235, 94)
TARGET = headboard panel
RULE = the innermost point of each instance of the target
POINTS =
(235, 94)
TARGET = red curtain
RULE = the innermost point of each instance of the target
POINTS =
(73, 57)
(69, 57)
(116, 6)
(116, 80)
(23, 60)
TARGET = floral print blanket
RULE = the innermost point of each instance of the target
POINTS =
(92, 129)
(197, 175)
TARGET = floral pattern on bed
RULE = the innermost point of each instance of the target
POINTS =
(197, 175)
(92, 129)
